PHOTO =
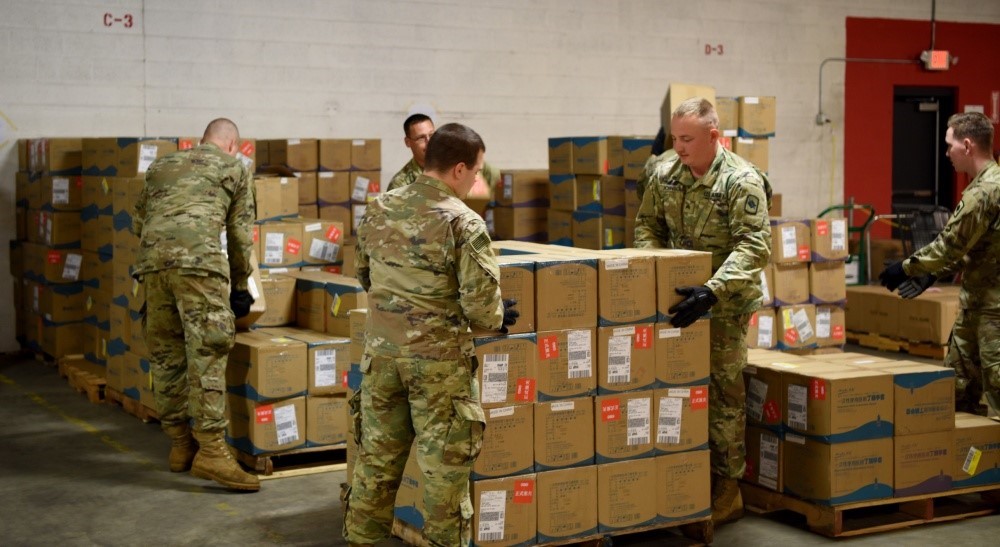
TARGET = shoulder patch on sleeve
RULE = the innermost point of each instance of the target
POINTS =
(751, 205)
(480, 243)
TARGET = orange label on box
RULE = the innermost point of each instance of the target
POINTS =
(54, 257)
(791, 336)
(838, 332)
(333, 234)
(817, 389)
(185, 144)
(332, 269)
(753, 319)
(293, 246)
(373, 188)
(822, 227)
(804, 252)
(265, 414)
(247, 148)
(344, 380)
(643, 337)
(256, 234)
(548, 347)
(524, 491)
(525, 390)
(699, 398)
(611, 410)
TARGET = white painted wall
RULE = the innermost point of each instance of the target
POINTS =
(517, 71)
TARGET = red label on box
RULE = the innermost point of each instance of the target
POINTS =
(525, 390)
(822, 227)
(699, 398)
(373, 188)
(256, 234)
(265, 414)
(55, 257)
(548, 347)
(611, 410)
(344, 381)
(804, 252)
(333, 234)
(185, 144)
(791, 336)
(753, 319)
(749, 473)
(838, 332)
(332, 269)
(79, 182)
(293, 246)
(771, 413)
(524, 491)
(643, 337)
(817, 389)
(247, 148)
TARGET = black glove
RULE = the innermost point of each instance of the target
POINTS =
(659, 142)
(510, 315)
(915, 286)
(240, 302)
(893, 276)
(699, 300)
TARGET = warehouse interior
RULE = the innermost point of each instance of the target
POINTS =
(859, 96)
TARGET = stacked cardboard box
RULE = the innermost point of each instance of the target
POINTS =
(746, 125)
(520, 205)
(925, 319)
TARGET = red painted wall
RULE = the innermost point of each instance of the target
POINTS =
(869, 92)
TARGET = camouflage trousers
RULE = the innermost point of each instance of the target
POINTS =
(974, 353)
(189, 329)
(727, 395)
(433, 405)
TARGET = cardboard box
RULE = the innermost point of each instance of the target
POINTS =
(676, 94)
(791, 283)
(883, 253)
(923, 397)
(279, 295)
(681, 419)
(366, 154)
(761, 331)
(728, 109)
(757, 116)
(790, 241)
(873, 310)
(359, 324)
(326, 420)
(796, 326)
(328, 358)
(624, 285)
(977, 451)
(65, 303)
(517, 281)
(281, 244)
(254, 286)
(623, 426)
(560, 156)
(566, 366)
(624, 498)
(56, 156)
(767, 284)
(562, 192)
(827, 283)
(524, 188)
(508, 443)
(258, 427)
(683, 486)
(928, 317)
(507, 369)
(636, 151)
(333, 187)
(560, 227)
(755, 151)
(337, 213)
(682, 355)
(565, 292)
(835, 474)
(626, 358)
(263, 367)
(922, 463)
(564, 433)
(567, 503)
(307, 185)
(365, 185)
(343, 294)
(678, 268)
(506, 511)
(311, 306)
(59, 193)
(295, 154)
(96, 193)
(828, 239)
(588, 230)
(322, 240)
(135, 155)
(836, 406)
(613, 227)
(775, 209)
(765, 458)
(612, 195)
(334, 154)
(830, 326)
(522, 223)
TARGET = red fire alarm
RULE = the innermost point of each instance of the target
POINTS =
(936, 59)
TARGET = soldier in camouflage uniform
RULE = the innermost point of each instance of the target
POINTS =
(970, 243)
(424, 257)
(418, 129)
(709, 199)
(191, 198)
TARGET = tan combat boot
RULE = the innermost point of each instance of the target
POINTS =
(215, 462)
(727, 502)
(182, 447)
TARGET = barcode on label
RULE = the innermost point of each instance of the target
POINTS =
(60, 191)
(323, 250)
(756, 394)
(823, 323)
(147, 155)
(326, 366)
(492, 514)
(495, 372)
(274, 248)
(765, 331)
(286, 425)
(797, 411)
(579, 354)
(801, 322)
(789, 249)
(638, 421)
(971, 460)
(838, 240)
(668, 430)
(619, 359)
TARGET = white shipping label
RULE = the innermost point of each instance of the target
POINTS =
(682, 392)
(71, 270)
(252, 288)
(324, 250)
(764, 288)
(286, 424)
(563, 406)
(360, 189)
(357, 214)
(247, 161)
(274, 248)
(768, 474)
(789, 248)
(623, 331)
(756, 394)
(48, 229)
(492, 514)
(326, 367)
(616, 264)
(823, 323)
(495, 370)
(619, 359)
(638, 421)
(147, 155)
(501, 412)
(508, 186)
(312, 227)
(751, 100)
(801, 321)
(579, 354)
(838, 235)
(669, 333)
(765, 331)
(60, 191)
(797, 411)
(668, 428)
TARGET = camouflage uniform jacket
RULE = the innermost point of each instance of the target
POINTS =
(724, 212)
(425, 259)
(970, 240)
(190, 198)
(406, 176)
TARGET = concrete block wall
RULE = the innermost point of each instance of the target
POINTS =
(516, 71)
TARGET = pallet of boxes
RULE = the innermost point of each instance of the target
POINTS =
(590, 400)
(860, 444)
(879, 319)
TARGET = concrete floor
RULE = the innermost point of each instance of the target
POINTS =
(77, 473)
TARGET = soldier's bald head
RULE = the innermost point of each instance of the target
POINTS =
(223, 133)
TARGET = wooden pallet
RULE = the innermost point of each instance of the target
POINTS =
(296, 462)
(703, 526)
(895, 345)
(83, 376)
(132, 406)
(869, 517)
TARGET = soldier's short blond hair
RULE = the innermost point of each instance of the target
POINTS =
(699, 108)
(974, 126)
